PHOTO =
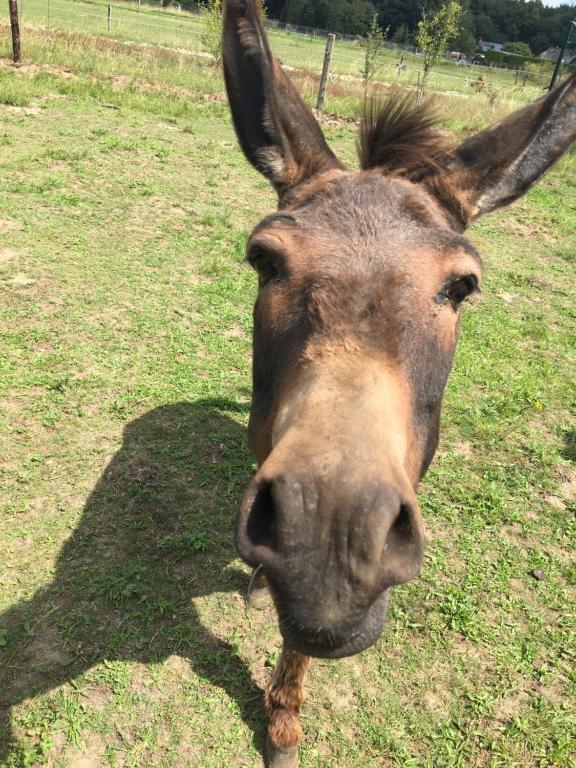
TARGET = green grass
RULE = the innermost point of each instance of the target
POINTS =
(124, 394)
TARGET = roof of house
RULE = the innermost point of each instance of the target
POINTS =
(552, 54)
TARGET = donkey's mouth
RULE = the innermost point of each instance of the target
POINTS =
(325, 644)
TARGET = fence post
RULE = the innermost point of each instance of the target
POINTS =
(109, 18)
(325, 72)
(15, 30)
(419, 91)
(138, 6)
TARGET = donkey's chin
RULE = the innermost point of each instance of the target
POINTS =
(329, 645)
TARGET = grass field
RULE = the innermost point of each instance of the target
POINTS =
(183, 31)
(124, 393)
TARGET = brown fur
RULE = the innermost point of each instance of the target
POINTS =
(362, 277)
(284, 699)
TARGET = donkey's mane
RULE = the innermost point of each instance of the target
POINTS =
(401, 136)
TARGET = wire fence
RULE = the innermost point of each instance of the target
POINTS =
(297, 47)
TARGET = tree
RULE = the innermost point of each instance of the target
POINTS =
(465, 40)
(211, 12)
(485, 29)
(301, 12)
(373, 44)
(402, 35)
(540, 42)
(211, 37)
(530, 21)
(521, 48)
(435, 30)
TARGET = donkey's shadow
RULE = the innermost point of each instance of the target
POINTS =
(155, 532)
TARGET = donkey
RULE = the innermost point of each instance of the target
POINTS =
(362, 276)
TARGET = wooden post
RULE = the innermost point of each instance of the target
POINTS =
(109, 18)
(15, 30)
(138, 6)
(400, 66)
(325, 72)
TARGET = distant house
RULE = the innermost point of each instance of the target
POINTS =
(552, 54)
(484, 46)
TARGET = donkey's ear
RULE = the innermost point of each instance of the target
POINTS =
(276, 130)
(500, 164)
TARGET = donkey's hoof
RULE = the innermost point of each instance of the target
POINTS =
(274, 757)
(259, 598)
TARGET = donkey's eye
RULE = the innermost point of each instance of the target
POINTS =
(457, 290)
(265, 265)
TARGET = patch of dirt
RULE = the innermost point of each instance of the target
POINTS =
(10, 406)
(463, 448)
(509, 708)
(8, 255)
(471, 651)
(45, 650)
(30, 69)
(261, 675)
(178, 665)
(119, 82)
(509, 298)
(24, 543)
(20, 280)
(433, 701)
(22, 110)
(554, 501)
(438, 529)
(341, 697)
(96, 698)
(334, 121)
(530, 229)
(567, 478)
(235, 332)
(90, 755)
(6, 225)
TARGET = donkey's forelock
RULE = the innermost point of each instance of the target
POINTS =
(400, 136)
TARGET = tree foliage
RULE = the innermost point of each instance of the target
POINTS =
(349, 16)
(436, 30)
(373, 44)
(211, 37)
(522, 49)
(211, 12)
(499, 21)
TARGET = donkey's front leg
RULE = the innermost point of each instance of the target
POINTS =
(284, 699)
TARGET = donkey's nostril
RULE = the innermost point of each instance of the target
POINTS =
(261, 525)
(403, 547)
(402, 530)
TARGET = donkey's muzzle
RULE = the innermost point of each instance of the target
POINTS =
(331, 551)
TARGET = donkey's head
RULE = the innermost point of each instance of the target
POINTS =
(362, 277)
